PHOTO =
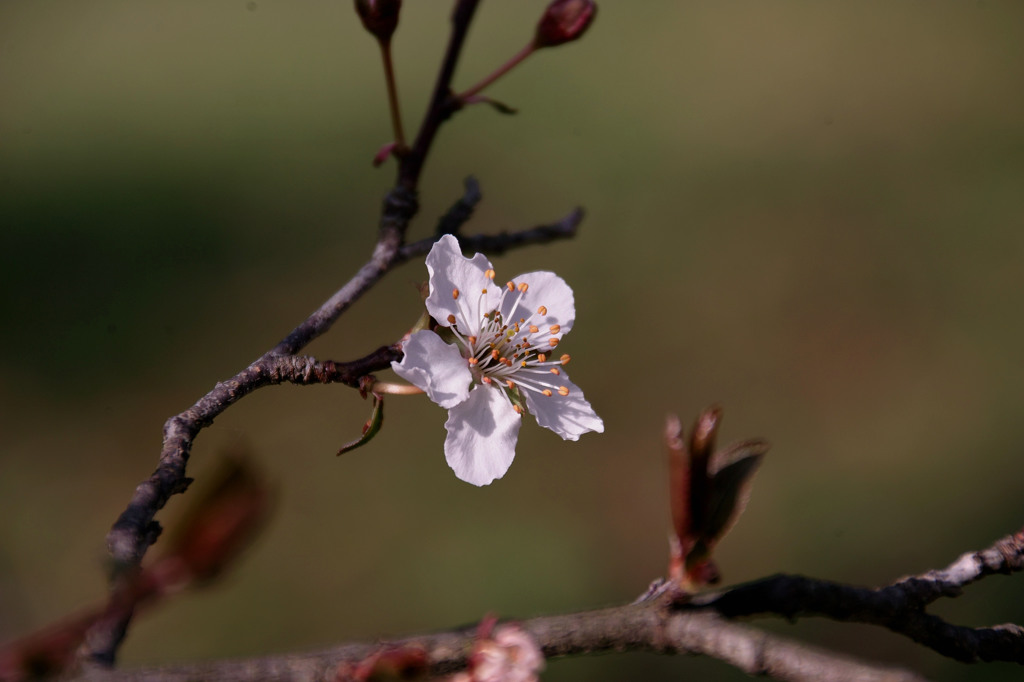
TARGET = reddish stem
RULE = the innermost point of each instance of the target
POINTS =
(501, 71)
(389, 78)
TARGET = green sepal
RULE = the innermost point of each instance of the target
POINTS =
(370, 428)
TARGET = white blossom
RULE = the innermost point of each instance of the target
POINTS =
(499, 356)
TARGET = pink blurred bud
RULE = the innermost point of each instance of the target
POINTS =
(220, 524)
(510, 654)
(379, 17)
(564, 21)
(380, 157)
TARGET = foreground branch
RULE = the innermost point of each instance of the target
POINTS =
(636, 627)
(659, 623)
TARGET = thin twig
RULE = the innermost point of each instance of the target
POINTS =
(392, 87)
(497, 244)
(462, 210)
(900, 607)
(442, 103)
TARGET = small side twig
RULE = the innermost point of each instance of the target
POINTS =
(497, 244)
(461, 211)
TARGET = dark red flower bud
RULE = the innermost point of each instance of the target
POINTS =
(379, 17)
(564, 21)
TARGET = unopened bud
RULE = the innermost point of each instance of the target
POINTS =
(564, 21)
(379, 17)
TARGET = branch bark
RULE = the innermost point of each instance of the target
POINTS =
(647, 627)
(900, 607)
(662, 623)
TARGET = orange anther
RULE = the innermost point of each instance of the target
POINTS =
(552, 342)
(546, 391)
(555, 370)
(555, 328)
(510, 383)
(523, 286)
(472, 340)
(495, 354)
(541, 357)
(534, 329)
(511, 286)
(564, 359)
(455, 294)
(451, 319)
(518, 409)
(563, 390)
(473, 361)
(489, 274)
(542, 310)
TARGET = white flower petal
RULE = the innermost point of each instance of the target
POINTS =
(482, 434)
(570, 416)
(450, 270)
(545, 289)
(436, 367)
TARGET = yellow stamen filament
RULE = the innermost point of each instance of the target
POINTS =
(381, 387)
(547, 392)
(555, 328)
(542, 310)
(563, 390)
(564, 359)
(552, 342)
(455, 294)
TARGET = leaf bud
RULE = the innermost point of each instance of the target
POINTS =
(564, 21)
(379, 17)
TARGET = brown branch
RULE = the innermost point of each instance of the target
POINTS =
(136, 530)
(900, 607)
(461, 211)
(698, 626)
(637, 627)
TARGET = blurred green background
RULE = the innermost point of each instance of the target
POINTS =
(809, 212)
